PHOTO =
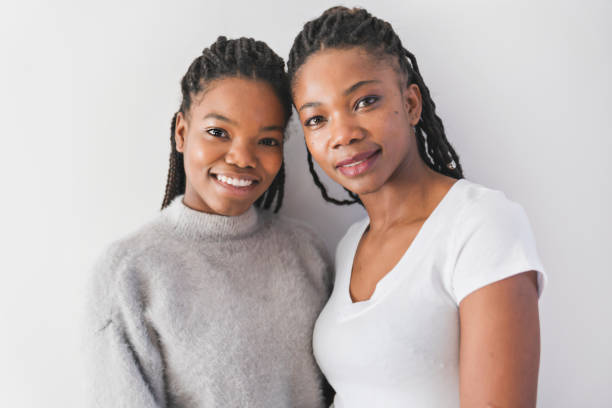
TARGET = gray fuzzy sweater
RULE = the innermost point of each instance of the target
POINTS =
(201, 310)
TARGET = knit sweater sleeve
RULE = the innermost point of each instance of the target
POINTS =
(126, 364)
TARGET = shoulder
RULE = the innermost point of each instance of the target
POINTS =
(492, 240)
(151, 237)
(352, 234)
(116, 276)
(300, 240)
(479, 197)
(486, 208)
(299, 232)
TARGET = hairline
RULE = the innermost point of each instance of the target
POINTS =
(375, 51)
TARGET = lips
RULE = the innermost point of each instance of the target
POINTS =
(358, 164)
(357, 159)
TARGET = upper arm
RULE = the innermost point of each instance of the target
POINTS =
(123, 373)
(124, 360)
(500, 344)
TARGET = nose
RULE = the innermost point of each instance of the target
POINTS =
(345, 131)
(241, 154)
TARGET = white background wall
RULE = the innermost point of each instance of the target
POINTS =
(87, 90)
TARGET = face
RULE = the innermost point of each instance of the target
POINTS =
(358, 116)
(232, 145)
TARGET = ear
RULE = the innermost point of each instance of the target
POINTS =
(180, 131)
(413, 103)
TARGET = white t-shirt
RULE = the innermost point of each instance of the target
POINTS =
(400, 348)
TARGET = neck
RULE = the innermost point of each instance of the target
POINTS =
(408, 196)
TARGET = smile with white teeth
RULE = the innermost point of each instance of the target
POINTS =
(234, 181)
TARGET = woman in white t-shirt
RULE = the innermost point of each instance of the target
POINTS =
(435, 302)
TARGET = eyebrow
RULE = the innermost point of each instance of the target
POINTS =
(358, 85)
(220, 117)
(272, 128)
(309, 105)
(233, 122)
(348, 91)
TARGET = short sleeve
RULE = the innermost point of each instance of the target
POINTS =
(494, 241)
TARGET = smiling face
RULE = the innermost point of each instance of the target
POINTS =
(358, 117)
(232, 144)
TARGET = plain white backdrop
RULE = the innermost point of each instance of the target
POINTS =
(87, 90)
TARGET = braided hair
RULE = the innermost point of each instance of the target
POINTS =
(242, 57)
(343, 28)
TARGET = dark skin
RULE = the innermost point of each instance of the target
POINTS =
(233, 130)
(357, 108)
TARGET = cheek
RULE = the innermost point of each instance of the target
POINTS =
(202, 153)
(199, 156)
(317, 146)
(271, 161)
(396, 128)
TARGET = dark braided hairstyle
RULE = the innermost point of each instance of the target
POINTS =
(344, 28)
(242, 57)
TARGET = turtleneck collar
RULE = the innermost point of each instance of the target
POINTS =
(200, 225)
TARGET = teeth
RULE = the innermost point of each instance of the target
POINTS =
(234, 181)
(354, 164)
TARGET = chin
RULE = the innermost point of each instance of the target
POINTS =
(364, 186)
(364, 192)
(226, 207)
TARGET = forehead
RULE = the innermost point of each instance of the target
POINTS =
(338, 69)
(239, 97)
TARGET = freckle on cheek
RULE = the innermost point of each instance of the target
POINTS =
(316, 145)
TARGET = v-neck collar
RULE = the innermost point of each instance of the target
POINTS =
(413, 253)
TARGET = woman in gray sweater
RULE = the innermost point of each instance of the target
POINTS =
(213, 302)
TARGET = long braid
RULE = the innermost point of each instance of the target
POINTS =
(321, 186)
(280, 188)
(175, 185)
(242, 57)
(341, 27)
(445, 159)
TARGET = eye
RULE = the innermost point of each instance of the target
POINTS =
(314, 121)
(217, 132)
(268, 141)
(366, 101)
